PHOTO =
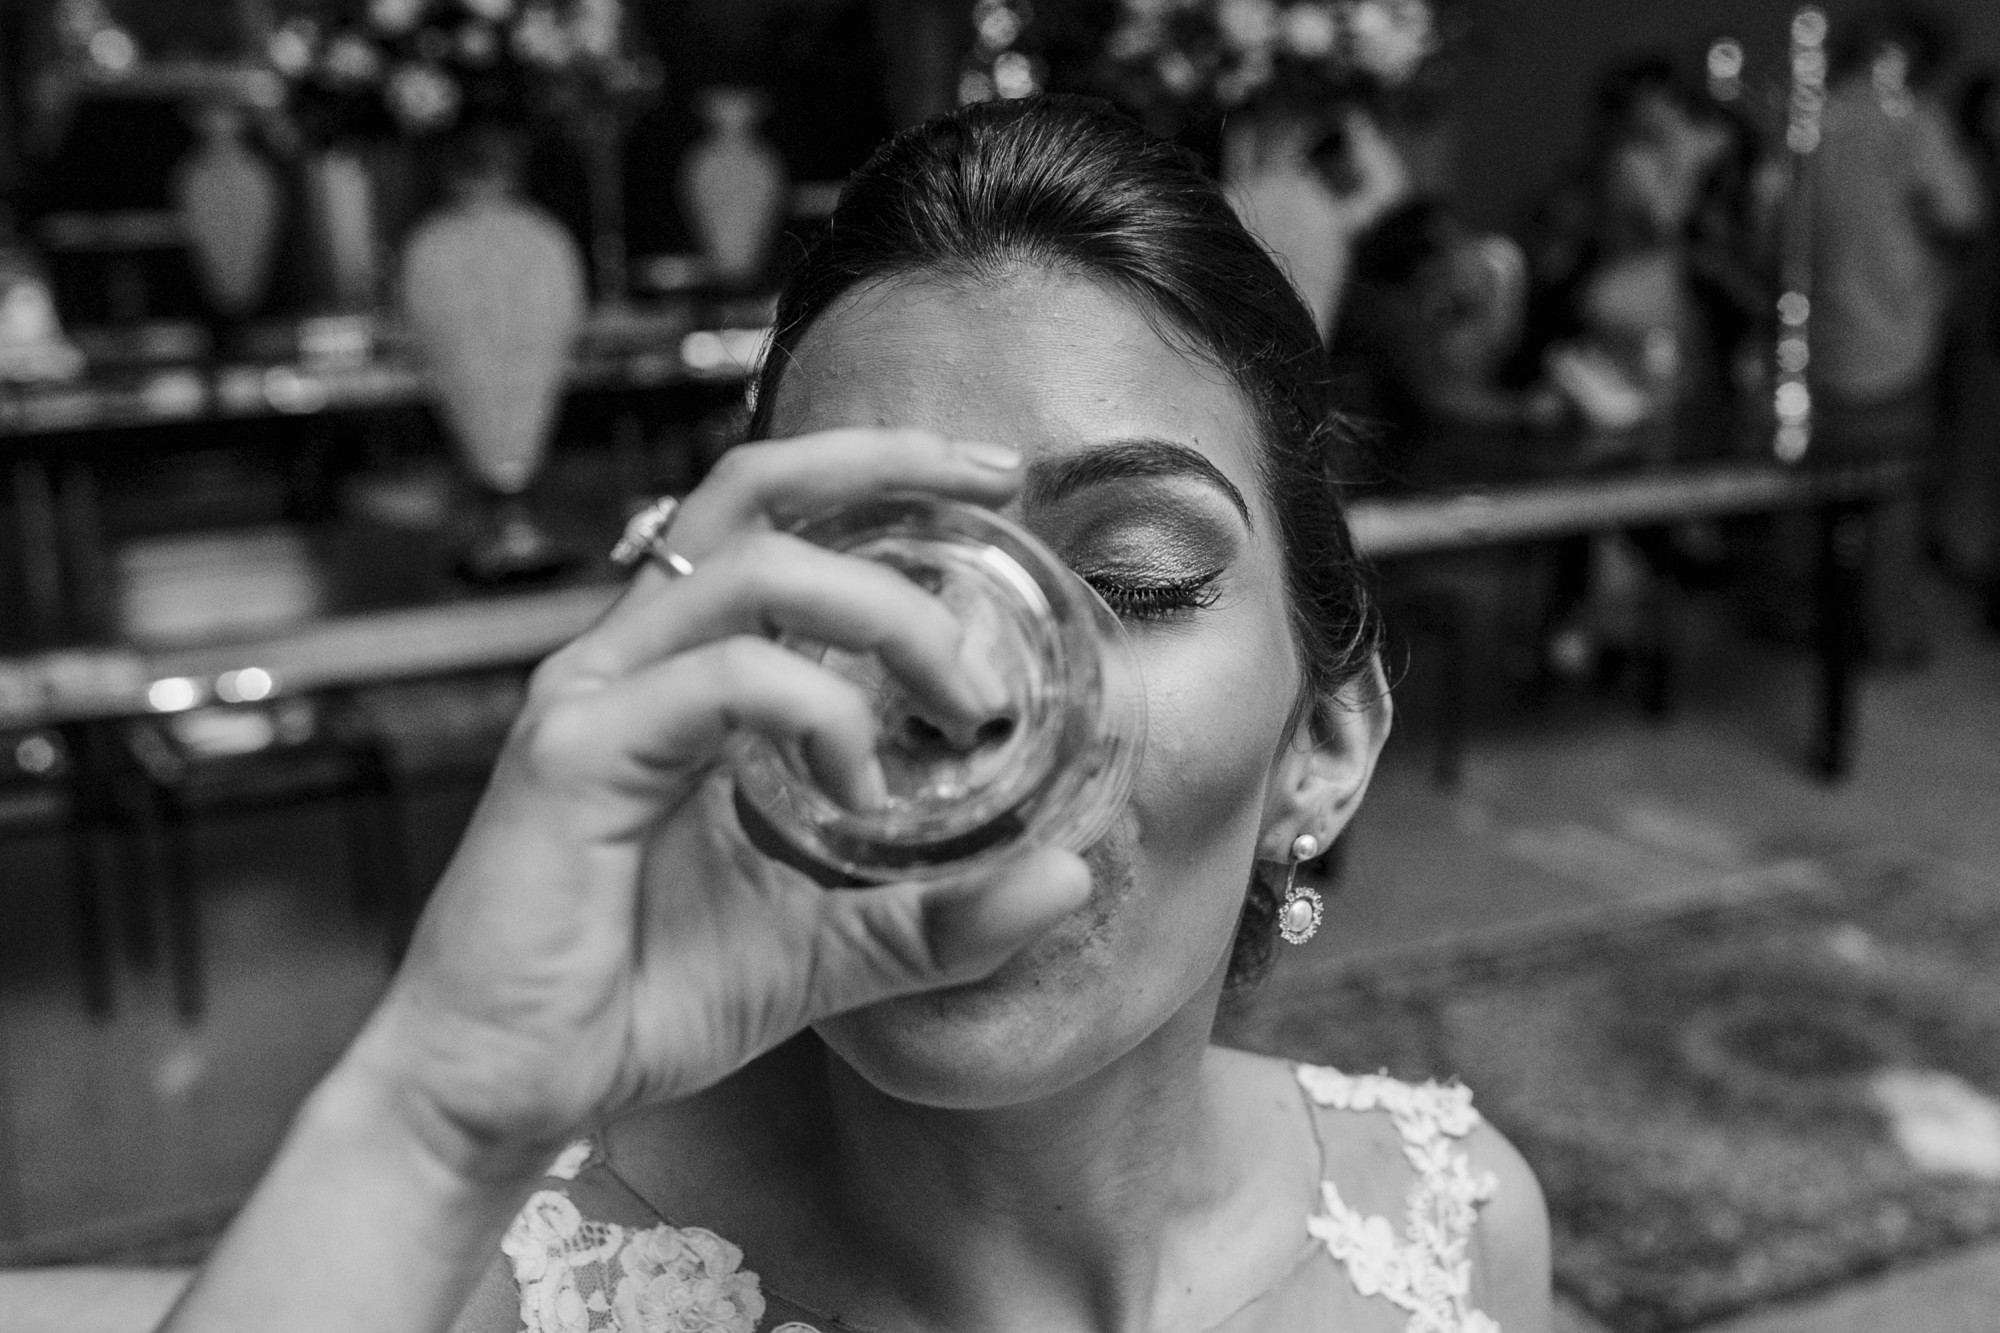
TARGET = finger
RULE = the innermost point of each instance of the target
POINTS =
(775, 583)
(875, 944)
(778, 482)
(667, 723)
(771, 483)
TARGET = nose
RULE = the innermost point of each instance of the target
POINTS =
(933, 736)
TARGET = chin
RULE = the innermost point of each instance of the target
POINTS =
(1087, 993)
(1053, 1014)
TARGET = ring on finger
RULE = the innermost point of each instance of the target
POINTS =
(645, 536)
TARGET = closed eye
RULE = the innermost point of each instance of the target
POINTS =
(1150, 599)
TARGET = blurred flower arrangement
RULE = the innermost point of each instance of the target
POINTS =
(1184, 57)
(90, 36)
(993, 68)
(374, 68)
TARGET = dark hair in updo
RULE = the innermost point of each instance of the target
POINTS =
(1069, 184)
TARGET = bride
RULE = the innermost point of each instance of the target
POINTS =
(988, 1107)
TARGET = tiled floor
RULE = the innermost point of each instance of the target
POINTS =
(1577, 805)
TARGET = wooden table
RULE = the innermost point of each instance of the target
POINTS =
(1543, 509)
(489, 631)
(625, 349)
(56, 529)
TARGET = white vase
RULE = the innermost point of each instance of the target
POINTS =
(32, 345)
(231, 207)
(493, 295)
(733, 186)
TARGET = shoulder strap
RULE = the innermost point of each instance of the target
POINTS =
(580, 1275)
(1426, 1271)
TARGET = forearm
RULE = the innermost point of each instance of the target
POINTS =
(367, 1219)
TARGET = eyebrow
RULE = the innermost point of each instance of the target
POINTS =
(1051, 480)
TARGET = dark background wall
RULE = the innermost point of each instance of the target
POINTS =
(1523, 106)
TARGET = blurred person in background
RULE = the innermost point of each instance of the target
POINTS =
(1895, 197)
(1645, 287)
(1645, 269)
(1432, 316)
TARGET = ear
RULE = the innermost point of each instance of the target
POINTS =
(1325, 768)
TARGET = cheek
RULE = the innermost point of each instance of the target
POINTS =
(1217, 711)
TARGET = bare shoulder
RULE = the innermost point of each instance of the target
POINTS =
(1247, 1070)
(1261, 1103)
(1511, 1242)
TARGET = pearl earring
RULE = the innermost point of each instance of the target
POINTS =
(1299, 916)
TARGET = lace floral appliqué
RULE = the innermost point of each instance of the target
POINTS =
(1425, 1272)
(581, 1276)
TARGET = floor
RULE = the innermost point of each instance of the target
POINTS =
(1575, 805)
(1584, 805)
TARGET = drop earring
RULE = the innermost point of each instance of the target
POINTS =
(1299, 915)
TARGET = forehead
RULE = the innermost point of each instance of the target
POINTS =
(1049, 363)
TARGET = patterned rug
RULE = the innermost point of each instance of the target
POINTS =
(1728, 1104)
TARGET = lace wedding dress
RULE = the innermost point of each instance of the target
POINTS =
(577, 1274)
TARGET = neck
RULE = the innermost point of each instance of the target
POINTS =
(1049, 1214)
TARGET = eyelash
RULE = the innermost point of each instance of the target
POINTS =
(1157, 601)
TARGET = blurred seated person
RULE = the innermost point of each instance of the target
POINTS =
(1645, 288)
(1433, 315)
(1645, 273)
(1896, 203)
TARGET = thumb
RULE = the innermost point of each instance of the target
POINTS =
(973, 928)
(902, 938)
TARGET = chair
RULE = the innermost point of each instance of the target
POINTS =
(243, 757)
(43, 788)
(1439, 615)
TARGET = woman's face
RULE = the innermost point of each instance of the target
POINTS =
(1141, 466)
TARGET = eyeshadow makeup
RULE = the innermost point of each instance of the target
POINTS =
(1054, 768)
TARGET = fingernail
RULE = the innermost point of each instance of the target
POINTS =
(989, 690)
(999, 457)
(871, 786)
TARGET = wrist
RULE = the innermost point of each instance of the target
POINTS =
(373, 1215)
(377, 1094)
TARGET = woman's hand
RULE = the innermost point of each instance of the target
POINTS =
(596, 941)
